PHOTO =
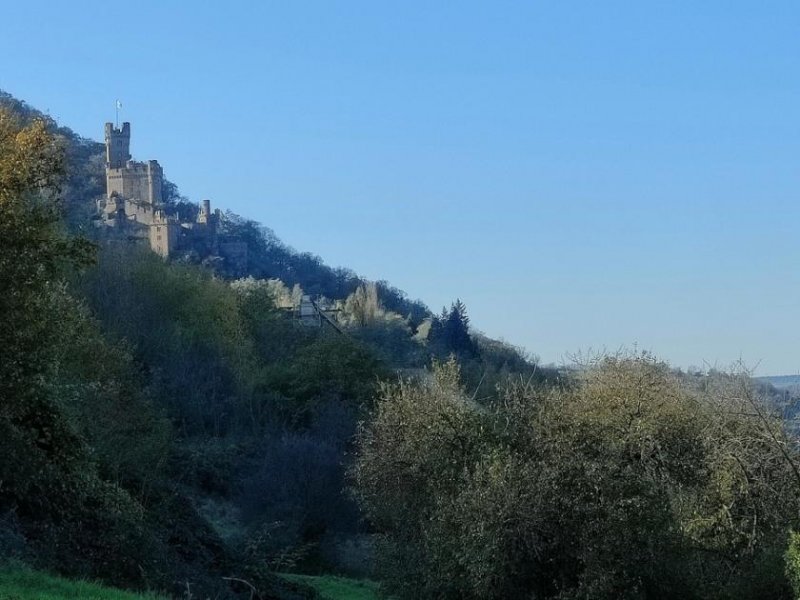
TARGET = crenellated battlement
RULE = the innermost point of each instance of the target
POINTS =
(133, 166)
(118, 144)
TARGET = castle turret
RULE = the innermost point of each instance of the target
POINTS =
(118, 145)
(164, 233)
(205, 215)
(205, 209)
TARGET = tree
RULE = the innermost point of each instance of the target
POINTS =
(450, 331)
(628, 483)
(363, 307)
(413, 453)
(49, 476)
(33, 253)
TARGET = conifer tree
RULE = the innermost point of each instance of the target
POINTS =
(451, 330)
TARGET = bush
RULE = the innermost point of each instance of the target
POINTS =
(627, 484)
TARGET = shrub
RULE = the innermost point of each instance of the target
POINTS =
(627, 484)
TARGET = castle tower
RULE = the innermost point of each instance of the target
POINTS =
(163, 234)
(135, 182)
(118, 145)
(205, 212)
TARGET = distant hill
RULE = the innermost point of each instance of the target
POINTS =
(782, 382)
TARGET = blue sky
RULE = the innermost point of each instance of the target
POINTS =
(582, 175)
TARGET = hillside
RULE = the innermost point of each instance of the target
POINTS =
(169, 422)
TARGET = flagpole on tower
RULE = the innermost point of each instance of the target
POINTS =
(119, 105)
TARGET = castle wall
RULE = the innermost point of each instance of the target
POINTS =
(136, 181)
(141, 212)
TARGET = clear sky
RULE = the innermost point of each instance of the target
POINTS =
(583, 175)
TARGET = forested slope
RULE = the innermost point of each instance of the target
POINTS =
(163, 425)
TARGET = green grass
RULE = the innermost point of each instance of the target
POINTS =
(25, 584)
(338, 588)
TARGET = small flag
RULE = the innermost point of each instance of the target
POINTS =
(119, 104)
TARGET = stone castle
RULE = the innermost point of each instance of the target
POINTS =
(134, 204)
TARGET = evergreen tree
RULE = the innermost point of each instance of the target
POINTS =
(451, 330)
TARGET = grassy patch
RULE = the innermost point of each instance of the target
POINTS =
(338, 588)
(24, 584)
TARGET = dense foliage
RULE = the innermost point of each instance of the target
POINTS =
(628, 483)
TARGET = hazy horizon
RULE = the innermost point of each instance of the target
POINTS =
(582, 178)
